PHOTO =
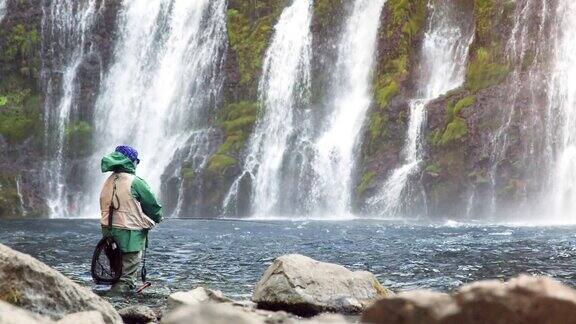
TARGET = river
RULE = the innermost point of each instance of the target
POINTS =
(231, 255)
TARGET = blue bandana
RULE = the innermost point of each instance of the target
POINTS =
(128, 152)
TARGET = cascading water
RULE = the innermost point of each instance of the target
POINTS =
(67, 24)
(351, 85)
(2, 9)
(283, 89)
(164, 80)
(562, 113)
(444, 55)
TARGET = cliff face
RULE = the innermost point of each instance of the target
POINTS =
(480, 138)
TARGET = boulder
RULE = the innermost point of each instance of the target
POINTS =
(90, 317)
(40, 289)
(303, 286)
(525, 299)
(418, 306)
(138, 314)
(10, 314)
(196, 296)
(212, 314)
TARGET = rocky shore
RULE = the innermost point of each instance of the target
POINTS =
(294, 289)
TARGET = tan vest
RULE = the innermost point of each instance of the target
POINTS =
(128, 212)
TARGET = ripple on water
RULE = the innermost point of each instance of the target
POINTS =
(232, 255)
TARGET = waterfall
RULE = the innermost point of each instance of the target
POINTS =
(65, 27)
(283, 89)
(164, 80)
(2, 9)
(443, 66)
(562, 113)
(351, 96)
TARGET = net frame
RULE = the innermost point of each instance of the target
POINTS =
(106, 266)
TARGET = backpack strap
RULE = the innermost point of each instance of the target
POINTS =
(111, 208)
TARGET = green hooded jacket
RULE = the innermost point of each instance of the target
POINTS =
(132, 240)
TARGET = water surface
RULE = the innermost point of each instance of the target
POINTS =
(232, 255)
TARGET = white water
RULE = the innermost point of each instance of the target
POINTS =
(444, 54)
(351, 80)
(2, 9)
(283, 87)
(68, 24)
(562, 110)
(166, 71)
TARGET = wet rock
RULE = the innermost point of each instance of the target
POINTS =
(38, 288)
(10, 314)
(91, 317)
(196, 296)
(212, 314)
(524, 299)
(138, 314)
(303, 286)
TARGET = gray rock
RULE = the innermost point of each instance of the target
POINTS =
(306, 287)
(196, 296)
(138, 314)
(90, 317)
(212, 314)
(43, 290)
(418, 306)
(10, 314)
(525, 299)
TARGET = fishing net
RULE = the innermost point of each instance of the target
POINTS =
(107, 262)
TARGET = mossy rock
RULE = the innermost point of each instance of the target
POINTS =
(218, 163)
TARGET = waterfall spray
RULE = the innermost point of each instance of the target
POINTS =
(444, 56)
(2, 9)
(351, 91)
(283, 88)
(67, 24)
(562, 112)
(164, 80)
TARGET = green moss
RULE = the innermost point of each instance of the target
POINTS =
(20, 42)
(386, 92)
(434, 169)
(365, 182)
(248, 36)
(237, 120)
(455, 130)
(483, 11)
(19, 116)
(485, 71)
(454, 110)
(187, 173)
(456, 127)
(405, 19)
(9, 199)
(218, 163)
(78, 135)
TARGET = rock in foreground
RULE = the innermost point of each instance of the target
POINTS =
(303, 286)
(522, 300)
(196, 296)
(10, 314)
(34, 286)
